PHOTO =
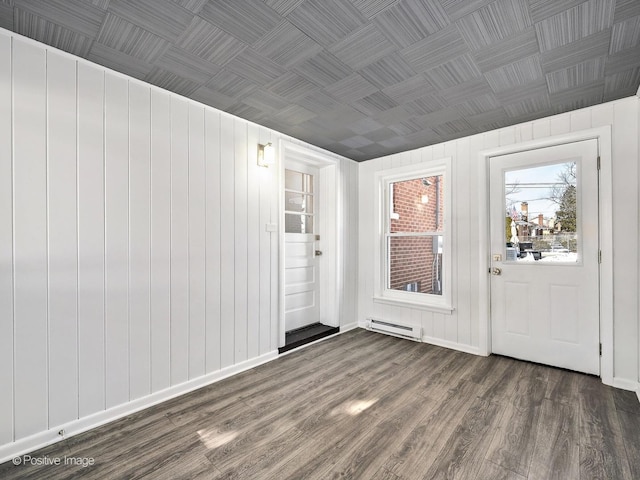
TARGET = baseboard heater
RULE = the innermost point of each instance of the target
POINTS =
(411, 332)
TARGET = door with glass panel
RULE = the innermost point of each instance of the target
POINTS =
(544, 256)
(301, 221)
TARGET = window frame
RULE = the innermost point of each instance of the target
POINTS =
(382, 293)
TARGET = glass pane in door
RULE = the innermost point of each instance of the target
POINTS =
(542, 214)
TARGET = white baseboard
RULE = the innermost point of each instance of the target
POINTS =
(49, 437)
(625, 384)
(452, 345)
(349, 326)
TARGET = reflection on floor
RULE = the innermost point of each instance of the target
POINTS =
(310, 333)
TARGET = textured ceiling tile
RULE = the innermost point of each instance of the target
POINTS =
(439, 117)
(623, 61)
(362, 47)
(283, 7)
(478, 105)
(494, 22)
(162, 17)
(453, 127)
(292, 86)
(171, 81)
(42, 30)
(231, 85)
(209, 96)
(265, 101)
(364, 126)
(341, 116)
(327, 21)
(496, 116)
(580, 97)
(589, 47)
(542, 9)
(574, 24)
(244, 19)
(457, 9)
(357, 141)
(247, 112)
(371, 8)
(622, 84)
(287, 46)
(187, 65)
(522, 72)
(375, 104)
(529, 106)
(6, 16)
(191, 5)
(423, 105)
(255, 68)
(465, 91)
(392, 116)
(319, 102)
(410, 89)
(435, 50)
(350, 89)
(453, 72)
(513, 95)
(323, 69)
(130, 39)
(209, 42)
(408, 21)
(381, 134)
(507, 51)
(626, 9)
(102, 4)
(119, 61)
(388, 71)
(625, 35)
(293, 115)
(589, 71)
(75, 15)
(406, 127)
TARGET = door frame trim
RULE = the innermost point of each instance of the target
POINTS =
(330, 208)
(605, 228)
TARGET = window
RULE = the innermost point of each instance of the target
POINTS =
(414, 249)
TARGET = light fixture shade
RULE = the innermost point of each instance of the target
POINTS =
(266, 155)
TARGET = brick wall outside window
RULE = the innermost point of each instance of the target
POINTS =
(412, 259)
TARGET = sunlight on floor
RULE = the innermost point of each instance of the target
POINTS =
(213, 439)
(353, 407)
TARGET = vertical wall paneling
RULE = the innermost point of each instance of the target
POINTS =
(227, 243)
(625, 227)
(30, 238)
(139, 239)
(196, 242)
(6, 245)
(241, 240)
(253, 247)
(465, 235)
(274, 138)
(116, 170)
(179, 240)
(63, 247)
(266, 178)
(212, 234)
(91, 238)
(451, 321)
(160, 240)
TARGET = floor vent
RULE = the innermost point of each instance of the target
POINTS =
(412, 332)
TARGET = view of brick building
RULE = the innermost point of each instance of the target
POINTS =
(418, 207)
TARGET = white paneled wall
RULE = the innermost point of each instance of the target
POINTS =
(461, 328)
(135, 262)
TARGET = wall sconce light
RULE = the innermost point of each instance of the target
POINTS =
(266, 155)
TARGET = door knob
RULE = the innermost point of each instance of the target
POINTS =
(496, 271)
(318, 253)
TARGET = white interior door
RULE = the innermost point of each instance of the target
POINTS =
(544, 256)
(301, 219)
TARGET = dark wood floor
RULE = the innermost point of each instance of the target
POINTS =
(369, 406)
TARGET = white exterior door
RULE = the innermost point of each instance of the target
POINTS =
(544, 256)
(301, 219)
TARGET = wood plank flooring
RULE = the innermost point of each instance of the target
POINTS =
(368, 406)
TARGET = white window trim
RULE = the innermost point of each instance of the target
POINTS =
(382, 294)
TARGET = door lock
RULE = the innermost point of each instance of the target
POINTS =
(318, 253)
(496, 271)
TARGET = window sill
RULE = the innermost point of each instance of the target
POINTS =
(431, 307)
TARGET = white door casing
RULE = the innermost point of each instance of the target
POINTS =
(548, 312)
(302, 266)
